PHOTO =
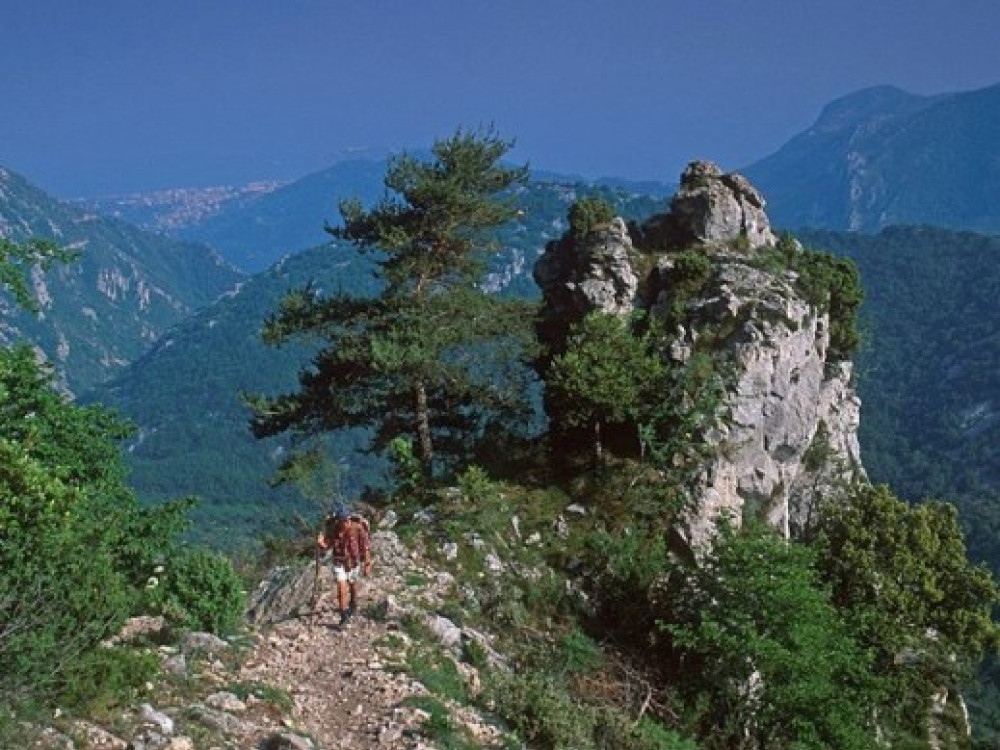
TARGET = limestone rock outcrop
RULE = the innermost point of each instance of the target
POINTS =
(597, 274)
(788, 427)
(714, 207)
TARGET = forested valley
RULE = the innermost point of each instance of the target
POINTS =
(552, 458)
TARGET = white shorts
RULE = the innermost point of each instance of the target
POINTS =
(343, 574)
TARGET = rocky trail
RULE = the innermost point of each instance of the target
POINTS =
(298, 679)
(347, 681)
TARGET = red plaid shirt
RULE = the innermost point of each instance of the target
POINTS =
(351, 543)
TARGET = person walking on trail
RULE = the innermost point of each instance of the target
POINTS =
(347, 535)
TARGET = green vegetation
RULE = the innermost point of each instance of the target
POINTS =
(199, 590)
(605, 376)
(428, 358)
(588, 213)
(76, 549)
(617, 633)
(15, 260)
(830, 283)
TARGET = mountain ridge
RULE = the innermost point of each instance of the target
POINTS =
(126, 288)
(882, 156)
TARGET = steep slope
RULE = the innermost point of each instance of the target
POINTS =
(709, 275)
(185, 397)
(882, 156)
(185, 394)
(127, 287)
(928, 372)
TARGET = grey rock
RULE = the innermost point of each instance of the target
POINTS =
(388, 520)
(389, 735)
(714, 207)
(444, 579)
(446, 631)
(203, 643)
(493, 563)
(284, 593)
(425, 515)
(221, 721)
(144, 626)
(579, 278)
(390, 609)
(157, 719)
(92, 735)
(449, 550)
(787, 398)
(225, 701)
(576, 508)
(561, 527)
(175, 665)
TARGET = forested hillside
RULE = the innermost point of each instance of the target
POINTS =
(684, 553)
(185, 396)
(928, 369)
(881, 156)
(126, 288)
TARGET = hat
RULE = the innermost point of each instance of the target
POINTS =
(342, 512)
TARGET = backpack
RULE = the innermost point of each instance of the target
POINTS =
(358, 526)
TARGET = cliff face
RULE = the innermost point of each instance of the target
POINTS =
(788, 426)
(105, 309)
(791, 415)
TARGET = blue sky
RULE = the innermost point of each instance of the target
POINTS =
(111, 96)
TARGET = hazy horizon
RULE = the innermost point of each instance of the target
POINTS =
(120, 97)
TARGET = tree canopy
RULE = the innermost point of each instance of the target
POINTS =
(430, 358)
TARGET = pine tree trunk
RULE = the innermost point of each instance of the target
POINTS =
(598, 449)
(423, 426)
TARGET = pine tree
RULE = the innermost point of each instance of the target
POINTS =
(428, 358)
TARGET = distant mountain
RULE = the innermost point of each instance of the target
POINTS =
(256, 232)
(105, 309)
(882, 156)
(256, 225)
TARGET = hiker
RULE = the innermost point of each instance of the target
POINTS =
(348, 536)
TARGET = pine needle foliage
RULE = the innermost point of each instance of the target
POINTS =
(432, 358)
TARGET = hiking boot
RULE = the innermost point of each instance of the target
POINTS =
(345, 616)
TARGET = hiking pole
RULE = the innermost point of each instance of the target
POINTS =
(315, 596)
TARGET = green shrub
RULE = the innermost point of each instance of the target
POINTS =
(476, 485)
(106, 677)
(588, 213)
(200, 590)
(579, 652)
(542, 711)
(437, 673)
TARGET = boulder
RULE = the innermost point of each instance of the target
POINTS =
(713, 207)
(286, 592)
(595, 275)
